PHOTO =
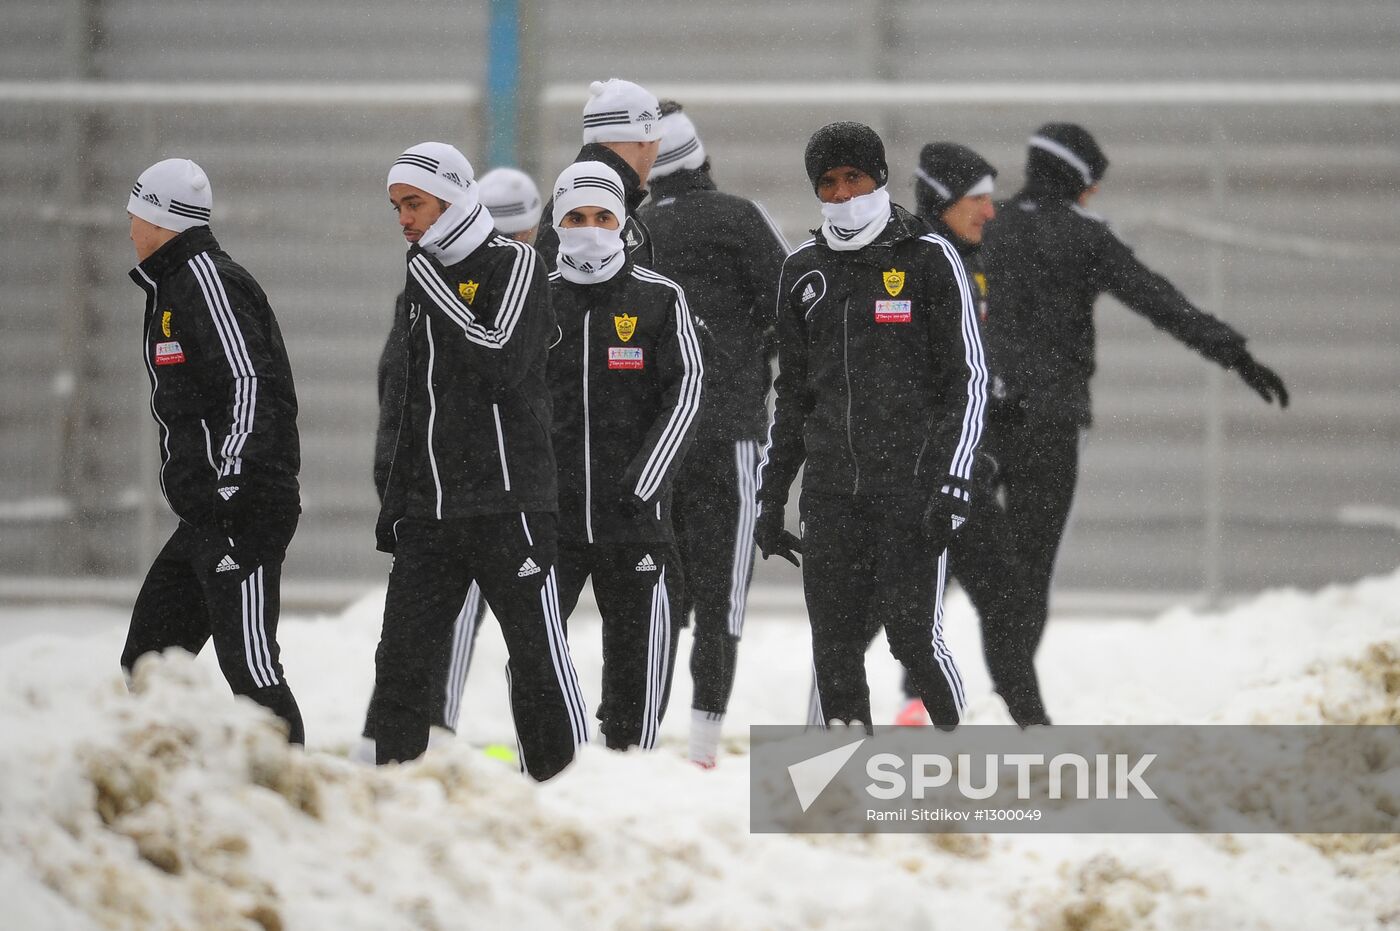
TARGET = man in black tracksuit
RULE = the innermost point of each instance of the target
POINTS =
(222, 395)
(953, 189)
(880, 390)
(511, 191)
(1048, 260)
(626, 377)
(727, 254)
(471, 492)
(621, 129)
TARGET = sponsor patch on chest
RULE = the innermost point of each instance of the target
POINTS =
(893, 311)
(169, 353)
(625, 357)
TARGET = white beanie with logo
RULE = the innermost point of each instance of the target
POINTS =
(680, 146)
(174, 194)
(588, 184)
(620, 111)
(512, 198)
(437, 168)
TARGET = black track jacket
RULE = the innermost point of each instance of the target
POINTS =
(881, 383)
(727, 255)
(473, 433)
(626, 377)
(1048, 260)
(221, 385)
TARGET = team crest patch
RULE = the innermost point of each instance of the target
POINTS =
(894, 282)
(625, 326)
(468, 290)
(165, 324)
(893, 311)
(624, 357)
(169, 353)
(981, 280)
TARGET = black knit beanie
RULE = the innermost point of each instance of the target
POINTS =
(846, 143)
(946, 172)
(1065, 159)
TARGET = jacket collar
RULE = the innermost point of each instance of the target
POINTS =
(177, 252)
(682, 181)
(602, 291)
(902, 226)
(631, 182)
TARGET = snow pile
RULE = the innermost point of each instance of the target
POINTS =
(178, 807)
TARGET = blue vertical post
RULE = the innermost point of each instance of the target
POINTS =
(503, 83)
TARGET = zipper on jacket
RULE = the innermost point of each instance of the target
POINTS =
(850, 399)
(501, 445)
(587, 443)
(432, 413)
(155, 383)
(403, 409)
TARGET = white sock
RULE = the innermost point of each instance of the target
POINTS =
(704, 735)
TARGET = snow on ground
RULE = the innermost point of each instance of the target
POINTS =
(181, 808)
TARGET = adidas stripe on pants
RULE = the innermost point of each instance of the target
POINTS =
(450, 667)
(635, 587)
(714, 510)
(435, 562)
(867, 558)
(199, 588)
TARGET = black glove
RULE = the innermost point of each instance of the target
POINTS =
(944, 514)
(1262, 379)
(773, 538)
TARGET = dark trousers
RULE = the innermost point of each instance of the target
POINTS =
(450, 667)
(630, 583)
(714, 511)
(200, 587)
(867, 561)
(513, 558)
(1005, 556)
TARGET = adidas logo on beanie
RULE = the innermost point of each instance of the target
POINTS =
(620, 111)
(174, 194)
(437, 168)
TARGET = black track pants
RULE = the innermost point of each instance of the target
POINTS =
(867, 561)
(199, 587)
(450, 667)
(714, 512)
(512, 558)
(631, 585)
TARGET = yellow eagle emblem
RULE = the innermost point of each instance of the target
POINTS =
(468, 290)
(894, 282)
(165, 323)
(625, 326)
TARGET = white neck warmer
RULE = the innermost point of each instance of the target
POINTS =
(589, 254)
(462, 227)
(855, 224)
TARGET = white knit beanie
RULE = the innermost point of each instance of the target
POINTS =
(512, 198)
(437, 168)
(620, 111)
(174, 194)
(680, 146)
(588, 184)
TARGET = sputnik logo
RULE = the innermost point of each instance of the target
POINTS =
(811, 776)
